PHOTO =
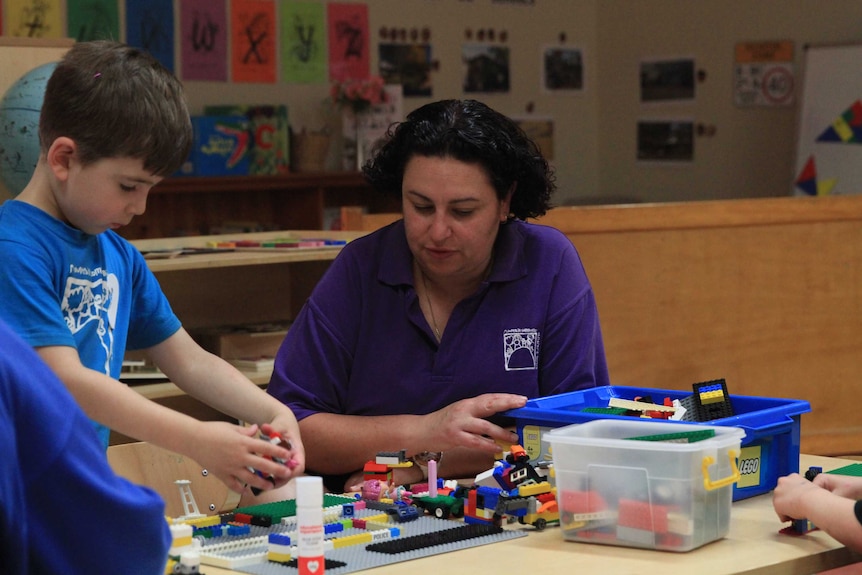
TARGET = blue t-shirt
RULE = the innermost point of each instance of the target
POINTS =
(361, 346)
(64, 287)
(62, 508)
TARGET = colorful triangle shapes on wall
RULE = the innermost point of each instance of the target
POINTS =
(847, 128)
(807, 181)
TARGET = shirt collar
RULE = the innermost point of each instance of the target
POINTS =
(396, 267)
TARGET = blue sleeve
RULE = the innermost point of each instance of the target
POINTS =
(69, 512)
(318, 382)
(31, 290)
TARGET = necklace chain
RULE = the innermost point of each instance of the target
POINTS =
(430, 307)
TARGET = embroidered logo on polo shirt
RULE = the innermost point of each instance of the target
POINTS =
(521, 349)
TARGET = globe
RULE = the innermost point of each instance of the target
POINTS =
(19, 127)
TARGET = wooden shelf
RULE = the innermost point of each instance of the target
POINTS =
(165, 390)
(240, 258)
(251, 184)
(234, 288)
(192, 206)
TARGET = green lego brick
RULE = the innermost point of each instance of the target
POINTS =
(854, 469)
(682, 437)
(606, 410)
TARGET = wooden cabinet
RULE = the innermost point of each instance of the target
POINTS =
(232, 288)
(198, 206)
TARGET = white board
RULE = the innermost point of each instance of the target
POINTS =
(829, 136)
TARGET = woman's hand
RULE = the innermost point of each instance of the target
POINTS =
(465, 424)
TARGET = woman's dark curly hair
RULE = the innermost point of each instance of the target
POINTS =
(471, 132)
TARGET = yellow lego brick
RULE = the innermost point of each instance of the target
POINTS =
(204, 521)
(534, 489)
(278, 557)
(712, 397)
(375, 525)
(348, 540)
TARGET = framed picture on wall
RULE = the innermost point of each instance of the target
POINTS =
(667, 80)
(486, 68)
(562, 69)
(408, 65)
(665, 140)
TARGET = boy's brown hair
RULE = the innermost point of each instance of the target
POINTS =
(116, 101)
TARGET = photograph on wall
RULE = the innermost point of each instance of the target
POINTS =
(665, 141)
(486, 68)
(203, 40)
(541, 131)
(408, 65)
(562, 69)
(667, 80)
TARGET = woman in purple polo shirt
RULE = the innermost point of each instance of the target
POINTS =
(421, 332)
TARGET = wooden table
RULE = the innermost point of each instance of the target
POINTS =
(753, 546)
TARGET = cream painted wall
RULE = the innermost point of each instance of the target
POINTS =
(528, 28)
(753, 151)
(751, 154)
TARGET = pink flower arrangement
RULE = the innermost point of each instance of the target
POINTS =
(358, 94)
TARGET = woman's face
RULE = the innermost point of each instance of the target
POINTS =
(451, 216)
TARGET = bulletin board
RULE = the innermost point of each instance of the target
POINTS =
(20, 55)
(829, 137)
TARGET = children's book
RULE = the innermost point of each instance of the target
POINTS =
(268, 132)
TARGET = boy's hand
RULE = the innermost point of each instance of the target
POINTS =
(288, 431)
(789, 498)
(232, 453)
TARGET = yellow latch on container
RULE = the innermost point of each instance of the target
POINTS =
(710, 485)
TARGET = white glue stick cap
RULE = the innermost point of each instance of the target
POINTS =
(309, 490)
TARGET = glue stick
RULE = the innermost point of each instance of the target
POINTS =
(309, 522)
(432, 478)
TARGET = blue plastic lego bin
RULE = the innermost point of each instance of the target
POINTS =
(770, 448)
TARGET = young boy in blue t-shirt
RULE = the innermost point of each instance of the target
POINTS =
(114, 122)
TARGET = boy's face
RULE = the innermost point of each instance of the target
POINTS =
(106, 194)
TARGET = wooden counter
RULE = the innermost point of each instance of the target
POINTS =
(753, 546)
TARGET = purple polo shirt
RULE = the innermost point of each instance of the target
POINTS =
(361, 346)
